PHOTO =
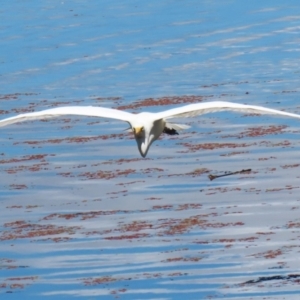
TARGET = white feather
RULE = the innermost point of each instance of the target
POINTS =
(90, 111)
(193, 110)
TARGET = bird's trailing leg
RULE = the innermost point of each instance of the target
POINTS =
(170, 131)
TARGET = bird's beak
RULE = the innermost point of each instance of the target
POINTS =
(138, 130)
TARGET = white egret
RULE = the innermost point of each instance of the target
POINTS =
(146, 126)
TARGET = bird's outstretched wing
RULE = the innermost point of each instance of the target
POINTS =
(90, 111)
(210, 107)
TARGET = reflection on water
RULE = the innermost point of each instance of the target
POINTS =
(83, 215)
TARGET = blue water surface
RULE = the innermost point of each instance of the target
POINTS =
(90, 218)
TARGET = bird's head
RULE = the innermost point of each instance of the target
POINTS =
(146, 131)
(141, 135)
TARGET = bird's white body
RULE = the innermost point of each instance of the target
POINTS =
(146, 126)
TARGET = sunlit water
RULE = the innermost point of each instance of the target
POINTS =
(82, 214)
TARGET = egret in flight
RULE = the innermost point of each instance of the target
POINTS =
(147, 126)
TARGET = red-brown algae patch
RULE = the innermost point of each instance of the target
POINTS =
(229, 242)
(42, 165)
(285, 92)
(287, 187)
(99, 280)
(151, 170)
(40, 157)
(17, 186)
(22, 278)
(136, 226)
(232, 212)
(56, 239)
(182, 259)
(162, 207)
(104, 280)
(283, 144)
(153, 198)
(211, 146)
(77, 139)
(15, 206)
(184, 225)
(217, 190)
(234, 153)
(295, 207)
(266, 158)
(106, 174)
(32, 206)
(116, 292)
(14, 283)
(213, 85)
(189, 206)
(101, 174)
(32, 168)
(265, 233)
(127, 237)
(124, 160)
(80, 166)
(32, 106)
(149, 102)
(195, 173)
(10, 96)
(140, 229)
(248, 239)
(3, 112)
(176, 250)
(113, 99)
(198, 172)
(131, 182)
(269, 254)
(117, 192)
(7, 263)
(293, 224)
(21, 229)
(259, 131)
(270, 170)
(290, 166)
(98, 174)
(83, 215)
